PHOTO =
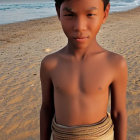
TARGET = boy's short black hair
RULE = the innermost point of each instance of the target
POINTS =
(59, 2)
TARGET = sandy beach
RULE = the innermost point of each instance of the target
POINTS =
(22, 47)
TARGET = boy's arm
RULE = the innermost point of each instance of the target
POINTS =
(47, 108)
(118, 100)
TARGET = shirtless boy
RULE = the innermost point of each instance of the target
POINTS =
(76, 79)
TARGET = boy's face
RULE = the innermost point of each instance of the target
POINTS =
(81, 20)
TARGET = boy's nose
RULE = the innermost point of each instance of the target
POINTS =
(80, 24)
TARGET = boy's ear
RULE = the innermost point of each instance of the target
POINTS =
(57, 10)
(106, 12)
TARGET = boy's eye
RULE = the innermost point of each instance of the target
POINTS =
(91, 14)
(68, 15)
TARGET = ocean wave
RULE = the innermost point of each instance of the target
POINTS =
(27, 6)
(123, 5)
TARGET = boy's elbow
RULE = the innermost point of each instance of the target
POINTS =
(48, 110)
(43, 107)
(119, 115)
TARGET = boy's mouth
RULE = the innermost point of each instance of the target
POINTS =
(81, 39)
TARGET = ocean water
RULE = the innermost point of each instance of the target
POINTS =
(21, 10)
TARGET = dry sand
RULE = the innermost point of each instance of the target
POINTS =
(22, 47)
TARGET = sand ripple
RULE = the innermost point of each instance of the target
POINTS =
(22, 47)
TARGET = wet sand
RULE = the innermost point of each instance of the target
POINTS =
(22, 47)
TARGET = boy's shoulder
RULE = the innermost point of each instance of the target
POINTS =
(51, 60)
(117, 61)
(115, 58)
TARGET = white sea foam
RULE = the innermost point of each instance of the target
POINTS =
(123, 5)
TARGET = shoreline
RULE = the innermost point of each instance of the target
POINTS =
(22, 47)
(133, 9)
(24, 27)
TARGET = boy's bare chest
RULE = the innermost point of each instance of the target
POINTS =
(71, 78)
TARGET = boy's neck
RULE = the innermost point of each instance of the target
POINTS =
(81, 54)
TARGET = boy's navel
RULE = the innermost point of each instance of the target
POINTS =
(99, 88)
